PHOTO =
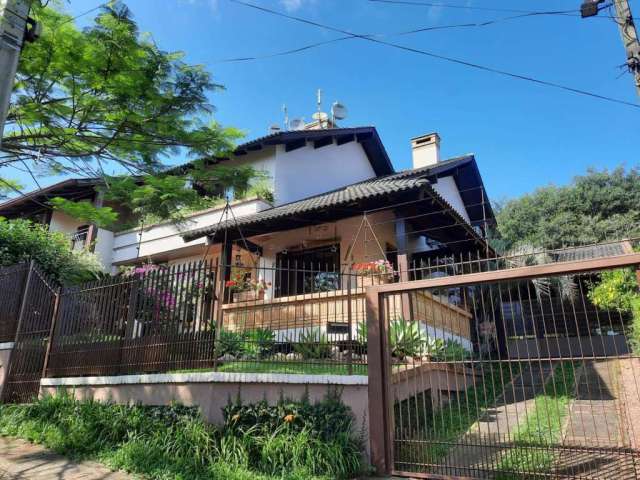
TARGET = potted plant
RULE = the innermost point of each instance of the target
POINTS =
(376, 272)
(245, 289)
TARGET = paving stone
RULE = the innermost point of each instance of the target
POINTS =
(20, 460)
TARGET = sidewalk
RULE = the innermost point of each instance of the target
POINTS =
(20, 460)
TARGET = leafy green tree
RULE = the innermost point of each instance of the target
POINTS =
(107, 97)
(22, 241)
(598, 206)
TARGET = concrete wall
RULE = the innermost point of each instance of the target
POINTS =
(5, 356)
(63, 223)
(212, 391)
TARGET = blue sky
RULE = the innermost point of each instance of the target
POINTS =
(524, 135)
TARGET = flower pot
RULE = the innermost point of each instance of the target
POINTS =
(370, 280)
(248, 296)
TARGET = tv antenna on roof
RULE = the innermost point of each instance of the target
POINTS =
(296, 124)
(338, 111)
(286, 116)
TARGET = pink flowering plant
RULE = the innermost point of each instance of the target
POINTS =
(165, 293)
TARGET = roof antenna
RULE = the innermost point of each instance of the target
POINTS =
(286, 116)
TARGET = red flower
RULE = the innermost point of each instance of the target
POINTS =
(231, 283)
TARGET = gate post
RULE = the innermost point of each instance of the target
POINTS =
(380, 421)
(23, 305)
(54, 317)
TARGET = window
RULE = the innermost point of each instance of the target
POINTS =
(308, 271)
(79, 239)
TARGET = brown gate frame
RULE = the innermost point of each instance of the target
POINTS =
(380, 400)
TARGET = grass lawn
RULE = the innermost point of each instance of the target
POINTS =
(434, 430)
(292, 367)
(541, 429)
(283, 367)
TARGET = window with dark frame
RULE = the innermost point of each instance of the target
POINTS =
(309, 270)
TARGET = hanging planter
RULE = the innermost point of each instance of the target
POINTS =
(377, 272)
(248, 296)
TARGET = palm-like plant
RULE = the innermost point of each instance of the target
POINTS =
(525, 255)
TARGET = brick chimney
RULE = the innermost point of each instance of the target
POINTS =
(425, 150)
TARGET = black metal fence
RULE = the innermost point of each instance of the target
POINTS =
(12, 285)
(38, 303)
(154, 319)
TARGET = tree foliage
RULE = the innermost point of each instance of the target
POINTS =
(108, 94)
(85, 211)
(598, 206)
(616, 290)
(22, 241)
(107, 98)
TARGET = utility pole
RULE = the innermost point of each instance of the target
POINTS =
(628, 31)
(14, 19)
(629, 39)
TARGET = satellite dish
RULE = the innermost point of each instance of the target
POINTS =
(296, 124)
(320, 116)
(339, 111)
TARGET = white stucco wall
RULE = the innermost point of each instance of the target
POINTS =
(166, 237)
(104, 247)
(448, 189)
(310, 171)
(63, 223)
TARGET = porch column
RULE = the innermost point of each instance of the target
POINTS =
(403, 265)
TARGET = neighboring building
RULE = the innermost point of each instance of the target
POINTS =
(323, 180)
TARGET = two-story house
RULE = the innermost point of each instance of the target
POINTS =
(323, 181)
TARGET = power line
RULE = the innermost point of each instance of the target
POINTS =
(569, 13)
(98, 7)
(382, 35)
(440, 57)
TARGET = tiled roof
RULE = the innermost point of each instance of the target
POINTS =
(375, 187)
(592, 251)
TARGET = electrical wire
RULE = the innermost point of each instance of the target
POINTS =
(466, 63)
(385, 35)
(569, 13)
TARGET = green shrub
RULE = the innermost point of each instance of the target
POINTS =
(259, 343)
(450, 351)
(312, 344)
(230, 343)
(407, 339)
(22, 241)
(162, 443)
(616, 290)
(294, 436)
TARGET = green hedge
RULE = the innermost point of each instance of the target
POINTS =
(291, 440)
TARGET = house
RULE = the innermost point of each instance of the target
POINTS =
(322, 181)
(337, 202)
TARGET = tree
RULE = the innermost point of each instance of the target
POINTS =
(598, 206)
(22, 241)
(87, 101)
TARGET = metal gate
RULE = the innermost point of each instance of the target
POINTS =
(39, 302)
(508, 374)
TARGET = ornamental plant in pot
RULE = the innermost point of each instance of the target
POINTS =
(246, 289)
(375, 272)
